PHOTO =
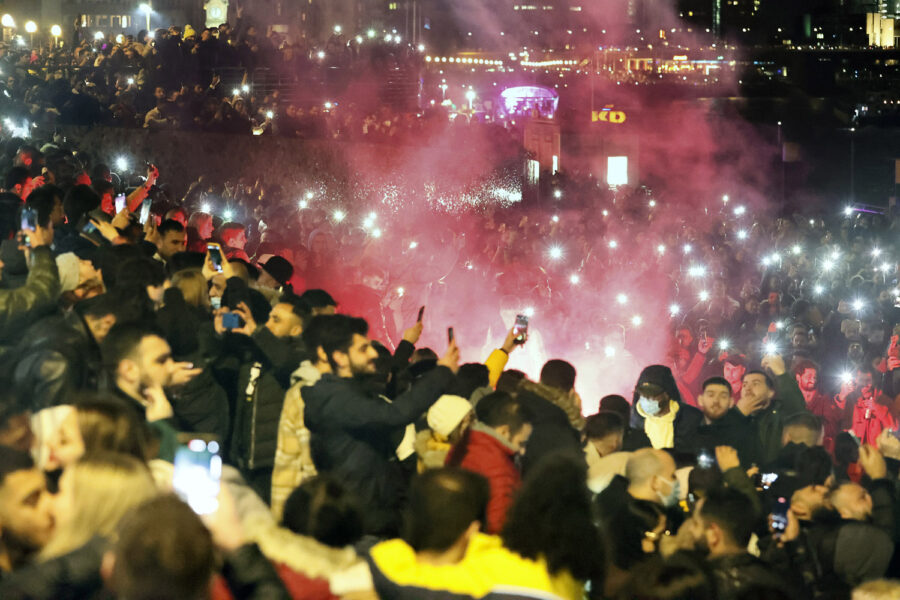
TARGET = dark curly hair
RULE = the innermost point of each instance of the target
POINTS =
(551, 519)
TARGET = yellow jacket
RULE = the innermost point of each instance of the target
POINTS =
(488, 570)
(495, 363)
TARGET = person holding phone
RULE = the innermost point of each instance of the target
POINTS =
(350, 426)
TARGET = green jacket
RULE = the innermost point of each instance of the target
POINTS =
(21, 306)
(769, 423)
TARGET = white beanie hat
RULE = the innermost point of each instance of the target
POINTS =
(68, 267)
(447, 413)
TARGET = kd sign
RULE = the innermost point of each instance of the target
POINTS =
(607, 115)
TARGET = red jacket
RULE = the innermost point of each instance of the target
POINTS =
(870, 420)
(482, 453)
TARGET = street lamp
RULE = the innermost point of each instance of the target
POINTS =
(8, 21)
(56, 31)
(147, 9)
(31, 27)
(470, 96)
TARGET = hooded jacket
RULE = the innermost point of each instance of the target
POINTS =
(351, 438)
(482, 451)
(687, 420)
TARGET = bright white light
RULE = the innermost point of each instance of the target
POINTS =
(846, 377)
(827, 264)
(338, 215)
(895, 292)
(704, 295)
(328, 105)
(400, 291)
(302, 204)
(636, 320)
(725, 199)
(613, 244)
(30, 26)
(228, 214)
(337, 28)
(766, 261)
(269, 114)
(359, 39)
(376, 233)
(370, 33)
(605, 213)
(556, 193)
(555, 218)
(876, 252)
(724, 344)
(609, 351)
(555, 252)
(812, 222)
(8, 21)
(796, 249)
(245, 88)
(621, 298)
(574, 279)
(848, 210)
(771, 348)
(652, 203)
(528, 312)
(886, 267)
(130, 81)
(687, 248)
(320, 54)
(122, 163)
(56, 31)
(742, 234)
(818, 289)
(236, 92)
(697, 271)
(739, 210)
(661, 249)
(617, 170)
(858, 304)
(470, 96)
(779, 324)
(120, 38)
(98, 35)
(776, 257)
(674, 309)
(388, 37)
(145, 8)
(413, 245)
(205, 207)
(421, 47)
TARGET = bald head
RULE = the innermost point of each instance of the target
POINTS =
(647, 463)
(852, 501)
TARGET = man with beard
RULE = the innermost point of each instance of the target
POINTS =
(871, 413)
(353, 431)
(26, 522)
(767, 402)
(806, 372)
(722, 525)
(722, 425)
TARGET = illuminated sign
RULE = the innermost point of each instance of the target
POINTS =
(608, 115)
(617, 170)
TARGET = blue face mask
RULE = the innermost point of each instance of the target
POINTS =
(215, 302)
(649, 406)
(671, 499)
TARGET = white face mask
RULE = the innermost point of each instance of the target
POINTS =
(649, 406)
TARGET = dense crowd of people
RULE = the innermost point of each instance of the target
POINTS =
(228, 393)
(230, 79)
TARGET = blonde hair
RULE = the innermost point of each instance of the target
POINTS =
(105, 486)
(193, 287)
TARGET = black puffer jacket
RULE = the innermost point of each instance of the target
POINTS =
(351, 438)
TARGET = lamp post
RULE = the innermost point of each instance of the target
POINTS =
(56, 31)
(470, 96)
(8, 24)
(31, 27)
(147, 9)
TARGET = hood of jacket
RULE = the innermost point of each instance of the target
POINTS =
(661, 376)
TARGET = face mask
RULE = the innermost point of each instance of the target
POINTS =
(674, 494)
(216, 302)
(649, 406)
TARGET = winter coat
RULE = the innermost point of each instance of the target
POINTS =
(687, 419)
(351, 438)
(56, 358)
(729, 430)
(482, 451)
(262, 382)
(293, 457)
(23, 305)
(769, 423)
(552, 416)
